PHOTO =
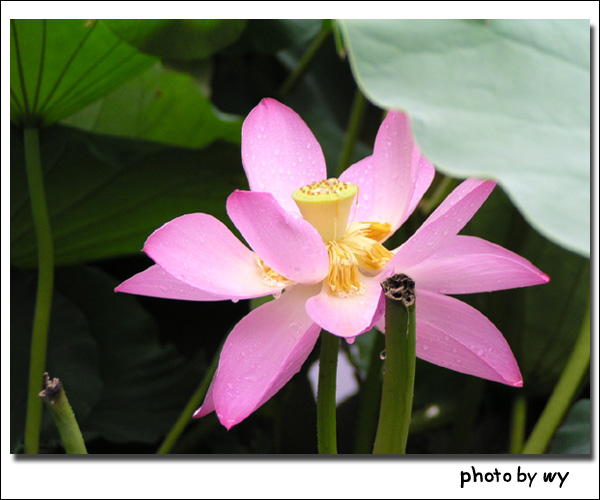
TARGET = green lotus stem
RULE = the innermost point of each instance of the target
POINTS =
(519, 421)
(357, 114)
(56, 399)
(193, 403)
(441, 191)
(41, 319)
(370, 395)
(326, 408)
(564, 392)
(304, 62)
(399, 379)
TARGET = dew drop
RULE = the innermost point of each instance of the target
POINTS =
(426, 348)
(235, 301)
(382, 354)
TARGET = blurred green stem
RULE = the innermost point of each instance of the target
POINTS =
(326, 407)
(564, 392)
(519, 422)
(193, 403)
(357, 114)
(399, 378)
(441, 191)
(304, 62)
(370, 395)
(41, 319)
(56, 399)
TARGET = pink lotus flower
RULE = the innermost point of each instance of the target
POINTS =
(319, 242)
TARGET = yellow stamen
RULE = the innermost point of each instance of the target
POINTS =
(356, 252)
(270, 277)
(343, 278)
(352, 249)
(326, 205)
(373, 230)
(363, 240)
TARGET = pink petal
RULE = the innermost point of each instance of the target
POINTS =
(286, 242)
(279, 152)
(200, 251)
(347, 316)
(208, 406)
(443, 224)
(361, 174)
(156, 282)
(394, 172)
(452, 334)
(467, 264)
(262, 353)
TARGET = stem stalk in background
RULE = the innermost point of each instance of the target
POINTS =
(518, 424)
(564, 392)
(357, 114)
(304, 62)
(41, 320)
(193, 403)
(326, 407)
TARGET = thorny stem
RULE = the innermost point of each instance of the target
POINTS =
(326, 408)
(41, 320)
(399, 378)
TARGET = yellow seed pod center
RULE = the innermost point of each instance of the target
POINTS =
(326, 205)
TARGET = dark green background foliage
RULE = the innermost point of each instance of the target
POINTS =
(141, 123)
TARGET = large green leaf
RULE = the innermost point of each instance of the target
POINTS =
(178, 39)
(507, 100)
(159, 105)
(106, 195)
(59, 66)
(574, 435)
